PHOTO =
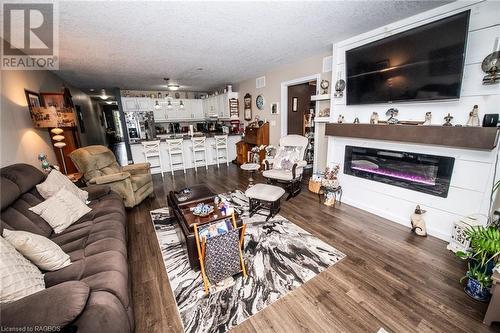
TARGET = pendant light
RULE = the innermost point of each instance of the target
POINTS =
(181, 105)
(169, 104)
(157, 105)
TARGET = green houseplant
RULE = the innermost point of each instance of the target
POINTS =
(482, 255)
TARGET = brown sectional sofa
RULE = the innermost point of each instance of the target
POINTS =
(92, 294)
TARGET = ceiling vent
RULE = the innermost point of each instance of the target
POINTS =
(260, 82)
(327, 64)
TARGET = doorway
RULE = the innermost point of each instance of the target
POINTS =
(300, 108)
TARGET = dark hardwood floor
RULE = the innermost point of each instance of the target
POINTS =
(390, 277)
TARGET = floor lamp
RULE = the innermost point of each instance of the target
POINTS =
(59, 138)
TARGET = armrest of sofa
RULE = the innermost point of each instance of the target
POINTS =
(56, 306)
(137, 168)
(96, 191)
(116, 177)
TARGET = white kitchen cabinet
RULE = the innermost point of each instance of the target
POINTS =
(224, 106)
(160, 113)
(137, 104)
(129, 104)
(145, 103)
(193, 109)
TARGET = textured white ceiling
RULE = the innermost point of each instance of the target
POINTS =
(133, 45)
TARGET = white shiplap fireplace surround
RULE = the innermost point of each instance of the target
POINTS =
(474, 170)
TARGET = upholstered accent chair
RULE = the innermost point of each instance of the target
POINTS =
(99, 166)
(288, 177)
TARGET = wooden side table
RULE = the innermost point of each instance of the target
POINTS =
(76, 178)
(493, 312)
(251, 167)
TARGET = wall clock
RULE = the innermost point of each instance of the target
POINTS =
(259, 101)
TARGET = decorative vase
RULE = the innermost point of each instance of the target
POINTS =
(475, 291)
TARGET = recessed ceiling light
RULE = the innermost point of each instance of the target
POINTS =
(91, 89)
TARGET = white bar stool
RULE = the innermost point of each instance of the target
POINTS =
(200, 148)
(151, 151)
(221, 152)
(174, 147)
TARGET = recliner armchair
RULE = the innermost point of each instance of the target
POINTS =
(291, 177)
(99, 166)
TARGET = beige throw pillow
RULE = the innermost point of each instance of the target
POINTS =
(55, 181)
(40, 250)
(61, 210)
(18, 276)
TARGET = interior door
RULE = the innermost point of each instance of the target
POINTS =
(299, 99)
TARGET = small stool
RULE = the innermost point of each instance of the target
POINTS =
(174, 147)
(151, 151)
(198, 146)
(265, 196)
(221, 151)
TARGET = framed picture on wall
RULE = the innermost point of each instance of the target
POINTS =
(275, 108)
(295, 104)
(34, 100)
(53, 99)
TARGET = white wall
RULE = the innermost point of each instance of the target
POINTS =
(19, 141)
(474, 170)
(272, 90)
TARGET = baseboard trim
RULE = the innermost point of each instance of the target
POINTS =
(393, 218)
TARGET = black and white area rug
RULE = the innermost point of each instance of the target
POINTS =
(279, 256)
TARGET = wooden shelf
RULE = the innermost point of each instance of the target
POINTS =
(324, 97)
(482, 138)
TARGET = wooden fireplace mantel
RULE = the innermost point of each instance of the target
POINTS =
(480, 138)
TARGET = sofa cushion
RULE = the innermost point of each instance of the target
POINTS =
(41, 251)
(19, 217)
(18, 276)
(53, 307)
(16, 180)
(102, 271)
(61, 210)
(55, 181)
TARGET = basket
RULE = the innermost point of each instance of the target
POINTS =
(314, 186)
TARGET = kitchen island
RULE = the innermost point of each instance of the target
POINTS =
(138, 154)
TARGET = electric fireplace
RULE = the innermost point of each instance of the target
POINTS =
(429, 174)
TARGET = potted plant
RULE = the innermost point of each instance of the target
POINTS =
(482, 255)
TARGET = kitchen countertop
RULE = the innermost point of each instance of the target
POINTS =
(184, 136)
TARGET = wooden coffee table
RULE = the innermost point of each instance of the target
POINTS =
(186, 218)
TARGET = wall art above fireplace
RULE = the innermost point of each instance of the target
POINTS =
(429, 174)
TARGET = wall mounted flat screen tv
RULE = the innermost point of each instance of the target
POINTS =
(421, 64)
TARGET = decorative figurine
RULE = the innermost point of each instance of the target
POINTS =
(418, 222)
(490, 65)
(339, 88)
(447, 120)
(45, 164)
(428, 118)
(324, 85)
(374, 118)
(474, 117)
(392, 113)
(356, 120)
(340, 119)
